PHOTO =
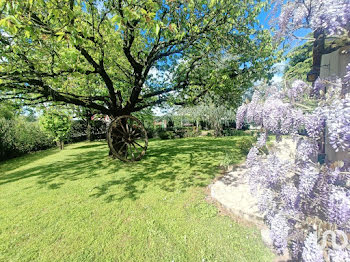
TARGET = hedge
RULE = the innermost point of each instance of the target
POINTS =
(18, 137)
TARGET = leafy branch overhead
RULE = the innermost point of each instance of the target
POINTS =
(120, 56)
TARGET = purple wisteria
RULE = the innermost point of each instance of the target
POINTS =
(330, 15)
(297, 89)
(312, 252)
(293, 193)
(339, 206)
(302, 198)
(279, 232)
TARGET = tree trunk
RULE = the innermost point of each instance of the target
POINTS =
(60, 144)
(89, 134)
(217, 129)
(317, 51)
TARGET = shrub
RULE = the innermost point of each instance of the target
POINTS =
(229, 159)
(190, 133)
(234, 132)
(151, 132)
(18, 137)
(245, 144)
(57, 124)
(166, 134)
(79, 131)
(180, 132)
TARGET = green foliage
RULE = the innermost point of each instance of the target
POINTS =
(180, 132)
(151, 131)
(146, 117)
(300, 63)
(234, 132)
(7, 110)
(190, 132)
(102, 55)
(212, 110)
(99, 209)
(245, 144)
(18, 137)
(56, 123)
(230, 158)
(164, 134)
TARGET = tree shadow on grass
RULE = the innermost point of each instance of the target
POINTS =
(77, 166)
(26, 159)
(89, 146)
(170, 165)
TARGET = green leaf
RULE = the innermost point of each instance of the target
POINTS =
(60, 35)
(116, 19)
(27, 33)
(157, 28)
(212, 3)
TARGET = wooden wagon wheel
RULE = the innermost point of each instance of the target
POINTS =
(127, 138)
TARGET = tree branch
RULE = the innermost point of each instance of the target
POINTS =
(38, 86)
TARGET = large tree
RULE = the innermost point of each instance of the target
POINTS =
(104, 55)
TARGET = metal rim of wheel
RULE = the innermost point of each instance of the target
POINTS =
(127, 138)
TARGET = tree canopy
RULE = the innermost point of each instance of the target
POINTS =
(300, 63)
(120, 56)
(57, 124)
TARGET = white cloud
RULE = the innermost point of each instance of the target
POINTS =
(277, 79)
(279, 67)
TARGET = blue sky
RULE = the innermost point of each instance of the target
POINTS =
(266, 16)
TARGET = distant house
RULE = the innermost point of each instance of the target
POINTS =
(162, 123)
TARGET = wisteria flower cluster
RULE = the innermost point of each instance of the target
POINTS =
(331, 15)
(298, 194)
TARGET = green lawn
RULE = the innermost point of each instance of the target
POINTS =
(81, 205)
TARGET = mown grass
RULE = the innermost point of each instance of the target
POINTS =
(80, 205)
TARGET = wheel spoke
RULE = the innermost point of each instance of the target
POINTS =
(127, 128)
(137, 151)
(121, 148)
(117, 143)
(138, 133)
(122, 126)
(119, 131)
(134, 131)
(132, 153)
(126, 151)
(139, 145)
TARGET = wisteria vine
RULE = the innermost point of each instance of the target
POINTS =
(330, 15)
(301, 198)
